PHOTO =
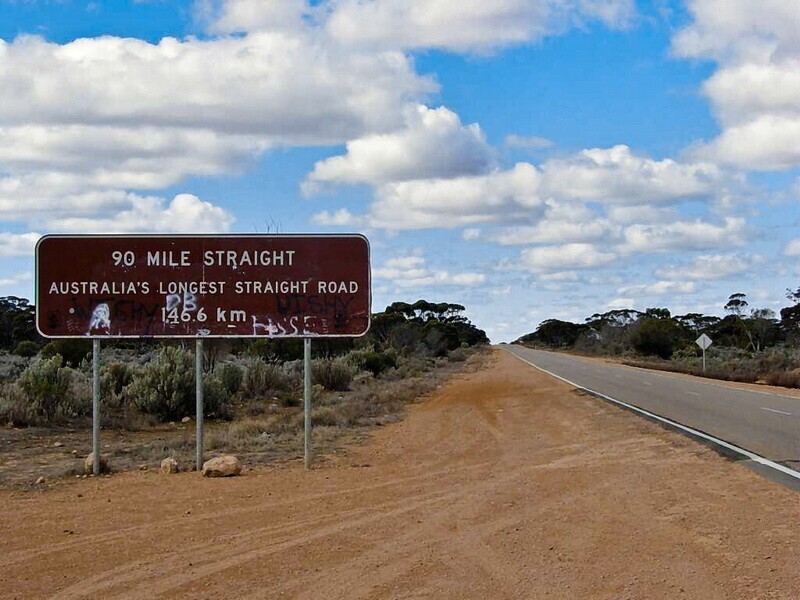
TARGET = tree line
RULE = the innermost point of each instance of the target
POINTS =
(656, 332)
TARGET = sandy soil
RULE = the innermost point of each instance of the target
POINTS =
(506, 484)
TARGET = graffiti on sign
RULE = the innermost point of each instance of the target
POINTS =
(189, 286)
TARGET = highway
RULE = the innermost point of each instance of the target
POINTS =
(763, 422)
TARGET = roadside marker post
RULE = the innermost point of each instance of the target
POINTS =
(198, 381)
(704, 342)
(96, 405)
(307, 402)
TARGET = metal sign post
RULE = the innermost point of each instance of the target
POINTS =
(704, 342)
(307, 401)
(198, 381)
(96, 405)
(197, 287)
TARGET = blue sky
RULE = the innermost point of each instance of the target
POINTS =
(527, 158)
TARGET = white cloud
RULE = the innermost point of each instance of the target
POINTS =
(756, 91)
(709, 267)
(290, 88)
(472, 233)
(466, 25)
(659, 288)
(458, 202)
(526, 194)
(18, 244)
(550, 231)
(15, 279)
(530, 142)
(236, 16)
(616, 175)
(412, 272)
(560, 258)
(620, 303)
(683, 236)
(792, 248)
(433, 144)
(184, 214)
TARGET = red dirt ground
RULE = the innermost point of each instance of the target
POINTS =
(504, 484)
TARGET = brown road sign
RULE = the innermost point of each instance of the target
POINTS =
(214, 286)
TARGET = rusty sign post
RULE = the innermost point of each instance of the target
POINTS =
(192, 286)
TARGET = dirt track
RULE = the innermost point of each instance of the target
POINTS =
(506, 484)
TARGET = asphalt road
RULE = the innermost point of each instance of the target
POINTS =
(762, 422)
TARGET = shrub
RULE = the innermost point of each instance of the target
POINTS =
(14, 406)
(376, 363)
(215, 398)
(26, 349)
(71, 351)
(45, 384)
(231, 375)
(333, 375)
(458, 355)
(115, 377)
(261, 378)
(165, 386)
(790, 379)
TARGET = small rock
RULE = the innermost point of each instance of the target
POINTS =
(222, 466)
(58, 444)
(186, 419)
(10, 425)
(169, 466)
(143, 467)
(40, 481)
(74, 451)
(88, 464)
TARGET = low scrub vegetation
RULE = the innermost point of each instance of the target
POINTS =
(252, 389)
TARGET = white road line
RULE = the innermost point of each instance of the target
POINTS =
(780, 412)
(751, 455)
(693, 393)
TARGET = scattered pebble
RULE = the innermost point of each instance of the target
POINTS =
(58, 444)
(143, 467)
(186, 419)
(40, 481)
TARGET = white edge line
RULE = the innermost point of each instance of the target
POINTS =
(775, 410)
(752, 456)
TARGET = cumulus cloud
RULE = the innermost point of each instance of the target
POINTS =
(186, 213)
(526, 194)
(413, 272)
(659, 288)
(550, 231)
(617, 175)
(564, 258)
(467, 25)
(433, 144)
(755, 92)
(529, 142)
(18, 244)
(711, 266)
(792, 248)
(683, 236)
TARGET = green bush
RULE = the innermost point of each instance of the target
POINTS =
(72, 351)
(45, 384)
(14, 406)
(216, 398)
(231, 376)
(26, 349)
(332, 374)
(115, 377)
(165, 386)
(378, 362)
(261, 378)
